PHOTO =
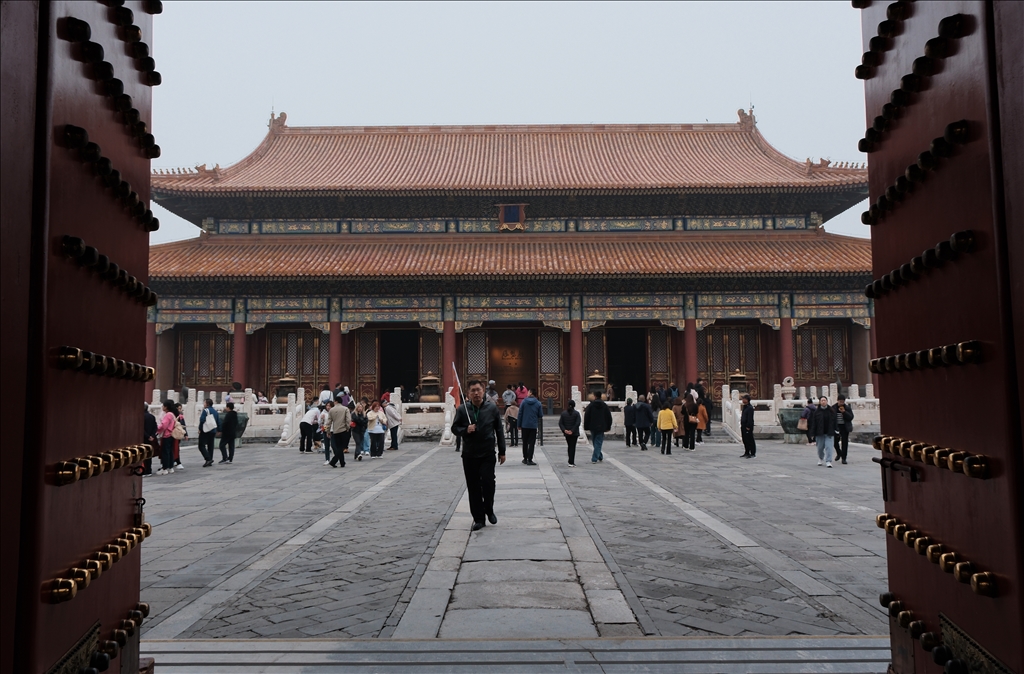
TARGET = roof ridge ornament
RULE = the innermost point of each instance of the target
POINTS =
(747, 119)
(277, 124)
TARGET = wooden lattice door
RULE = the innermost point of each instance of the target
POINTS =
(367, 365)
(821, 354)
(551, 383)
(302, 354)
(204, 359)
(722, 350)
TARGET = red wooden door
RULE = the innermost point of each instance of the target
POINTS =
(945, 305)
(88, 151)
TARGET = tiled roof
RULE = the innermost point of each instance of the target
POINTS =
(389, 160)
(517, 255)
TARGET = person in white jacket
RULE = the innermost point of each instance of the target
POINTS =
(394, 415)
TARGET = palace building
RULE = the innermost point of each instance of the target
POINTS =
(377, 256)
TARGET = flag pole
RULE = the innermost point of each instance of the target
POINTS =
(461, 393)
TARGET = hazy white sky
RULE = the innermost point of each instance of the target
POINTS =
(225, 65)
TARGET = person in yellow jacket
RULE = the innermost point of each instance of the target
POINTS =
(667, 424)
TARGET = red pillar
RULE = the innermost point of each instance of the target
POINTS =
(448, 352)
(576, 357)
(334, 355)
(690, 352)
(786, 348)
(150, 356)
(238, 356)
(347, 375)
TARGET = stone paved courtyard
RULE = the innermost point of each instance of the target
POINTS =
(279, 546)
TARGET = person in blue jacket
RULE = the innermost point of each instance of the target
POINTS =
(530, 412)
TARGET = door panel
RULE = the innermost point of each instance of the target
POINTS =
(721, 350)
(945, 326)
(79, 573)
(303, 354)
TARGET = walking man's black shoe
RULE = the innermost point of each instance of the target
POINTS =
(492, 518)
(744, 456)
(477, 526)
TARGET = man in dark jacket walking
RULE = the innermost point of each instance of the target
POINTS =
(644, 420)
(629, 421)
(530, 412)
(844, 422)
(747, 428)
(822, 425)
(598, 420)
(478, 423)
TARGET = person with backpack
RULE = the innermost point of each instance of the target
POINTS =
(228, 430)
(179, 435)
(569, 424)
(209, 424)
(644, 421)
(530, 413)
(598, 420)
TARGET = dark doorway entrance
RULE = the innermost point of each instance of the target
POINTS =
(399, 359)
(513, 358)
(627, 359)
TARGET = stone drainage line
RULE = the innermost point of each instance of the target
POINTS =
(272, 558)
(769, 560)
(607, 606)
(646, 623)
